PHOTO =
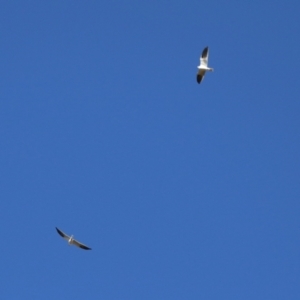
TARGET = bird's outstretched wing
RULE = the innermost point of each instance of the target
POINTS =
(80, 245)
(204, 57)
(200, 75)
(62, 234)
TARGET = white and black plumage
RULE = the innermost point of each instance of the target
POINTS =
(202, 68)
(71, 240)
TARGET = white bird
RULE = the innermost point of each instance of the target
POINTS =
(72, 241)
(202, 68)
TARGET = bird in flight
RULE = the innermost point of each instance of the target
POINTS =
(202, 68)
(72, 241)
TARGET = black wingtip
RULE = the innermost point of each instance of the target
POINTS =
(59, 232)
(199, 78)
(204, 52)
(85, 248)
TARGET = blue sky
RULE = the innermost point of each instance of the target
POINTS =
(183, 191)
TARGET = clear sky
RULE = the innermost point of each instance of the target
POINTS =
(183, 191)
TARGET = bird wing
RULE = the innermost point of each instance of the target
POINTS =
(62, 234)
(200, 75)
(204, 57)
(80, 245)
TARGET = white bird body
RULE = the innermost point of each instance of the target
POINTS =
(71, 240)
(203, 67)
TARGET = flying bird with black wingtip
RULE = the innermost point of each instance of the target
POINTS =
(71, 240)
(202, 68)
